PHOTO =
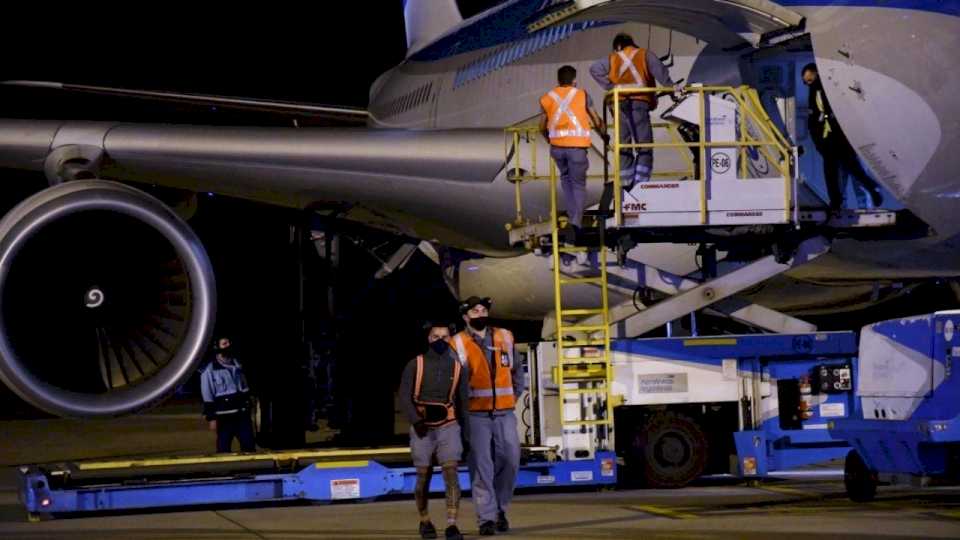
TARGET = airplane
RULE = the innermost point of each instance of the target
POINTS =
(429, 164)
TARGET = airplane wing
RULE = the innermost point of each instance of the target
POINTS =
(348, 115)
(429, 184)
(136, 330)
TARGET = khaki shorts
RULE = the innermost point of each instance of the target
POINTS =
(443, 441)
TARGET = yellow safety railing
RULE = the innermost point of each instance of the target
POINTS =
(516, 136)
(771, 143)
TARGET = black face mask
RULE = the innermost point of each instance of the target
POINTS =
(440, 346)
(478, 324)
(225, 351)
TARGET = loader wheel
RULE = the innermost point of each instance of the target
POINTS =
(858, 479)
(674, 450)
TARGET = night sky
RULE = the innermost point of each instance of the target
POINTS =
(323, 52)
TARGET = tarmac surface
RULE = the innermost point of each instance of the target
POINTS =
(797, 508)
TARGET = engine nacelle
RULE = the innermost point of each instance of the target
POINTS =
(107, 299)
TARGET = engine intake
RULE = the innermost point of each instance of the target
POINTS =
(107, 299)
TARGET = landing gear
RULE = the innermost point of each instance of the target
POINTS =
(858, 479)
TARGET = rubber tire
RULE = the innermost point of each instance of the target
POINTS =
(859, 481)
(673, 449)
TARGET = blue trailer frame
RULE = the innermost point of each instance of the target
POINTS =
(321, 482)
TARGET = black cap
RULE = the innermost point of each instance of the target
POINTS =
(468, 304)
(437, 323)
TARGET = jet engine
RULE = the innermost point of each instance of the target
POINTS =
(107, 299)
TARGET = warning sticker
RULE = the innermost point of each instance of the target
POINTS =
(546, 479)
(581, 476)
(832, 410)
(662, 383)
(346, 488)
(948, 331)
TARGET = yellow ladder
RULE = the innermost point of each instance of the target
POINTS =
(588, 370)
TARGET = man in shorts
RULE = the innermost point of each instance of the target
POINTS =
(432, 392)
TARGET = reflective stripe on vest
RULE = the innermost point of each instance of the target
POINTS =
(488, 392)
(631, 74)
(568, 123)
(824, 117)
(451, 415)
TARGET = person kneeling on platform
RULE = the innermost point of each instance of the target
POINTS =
(432, 394)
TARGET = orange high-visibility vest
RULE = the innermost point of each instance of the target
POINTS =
(448, 404)
(567, 120)
(488, 391)
(628, 67)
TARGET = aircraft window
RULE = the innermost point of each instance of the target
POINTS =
(469, 8)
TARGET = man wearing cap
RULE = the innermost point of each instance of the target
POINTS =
(495, 383)
(433, 391)
(226, 399)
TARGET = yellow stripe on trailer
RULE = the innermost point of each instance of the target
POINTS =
(707, 342)
(338, 464)
(236, 458)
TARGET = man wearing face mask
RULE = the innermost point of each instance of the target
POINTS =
(496, 382)
(226, 399)
(433, 391)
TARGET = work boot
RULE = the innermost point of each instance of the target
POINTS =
(488, 528)
(427, 530)
(502, 524)
(453, 533)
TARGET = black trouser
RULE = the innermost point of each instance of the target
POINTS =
(235, 425)
(837, 156)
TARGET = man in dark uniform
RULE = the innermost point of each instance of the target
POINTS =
(833, 144)
(226, 399)
(432, 395)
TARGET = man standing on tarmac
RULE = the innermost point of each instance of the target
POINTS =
(226, 399)
(495, 384)
(433, 392)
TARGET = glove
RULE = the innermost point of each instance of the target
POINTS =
(678, 90)
(420, 429)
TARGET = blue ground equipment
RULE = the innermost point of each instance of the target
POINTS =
(746, 405)
(308, 475)
(905, 426)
